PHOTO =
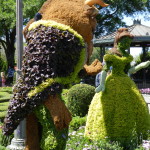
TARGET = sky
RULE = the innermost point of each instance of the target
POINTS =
(129, 21)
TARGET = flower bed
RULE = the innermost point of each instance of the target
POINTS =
(145, 91)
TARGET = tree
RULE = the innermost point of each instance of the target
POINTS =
(110, 18)
(8, 24)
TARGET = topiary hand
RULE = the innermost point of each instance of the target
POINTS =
(139, 67)
(145, 64)
(101, 87)
(94, 68)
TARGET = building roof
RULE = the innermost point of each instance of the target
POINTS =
(141, 36)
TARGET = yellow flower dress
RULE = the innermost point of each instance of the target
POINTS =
(120, 111)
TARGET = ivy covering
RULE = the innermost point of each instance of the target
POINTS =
(54, 55)
(120, 112)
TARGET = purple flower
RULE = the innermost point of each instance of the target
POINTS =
(145, 91)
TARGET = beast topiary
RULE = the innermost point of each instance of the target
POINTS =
(54, 55)
(79, 99)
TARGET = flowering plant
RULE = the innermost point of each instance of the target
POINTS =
(145, 91)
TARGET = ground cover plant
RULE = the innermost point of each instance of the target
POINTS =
(77, 141)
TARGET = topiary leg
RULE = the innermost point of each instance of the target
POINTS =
(32, 133)
(55, 121)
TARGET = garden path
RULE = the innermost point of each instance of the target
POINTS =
(147, 99)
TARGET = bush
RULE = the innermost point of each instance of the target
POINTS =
(64, 95)
(77, 122)
(79, 99)
(2, 148)
(3, 65)
(4, 140)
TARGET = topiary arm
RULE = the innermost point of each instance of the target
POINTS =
(139, 67)
(101, 87)
(94, 68)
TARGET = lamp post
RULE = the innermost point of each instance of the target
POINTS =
(18, 142)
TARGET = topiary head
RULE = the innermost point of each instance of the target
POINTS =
(124, 43)
(78, 14)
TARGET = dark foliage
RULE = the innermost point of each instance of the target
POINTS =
(50, 53)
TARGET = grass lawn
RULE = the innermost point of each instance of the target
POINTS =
(5, 94)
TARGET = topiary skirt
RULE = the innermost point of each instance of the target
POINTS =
(118, 113)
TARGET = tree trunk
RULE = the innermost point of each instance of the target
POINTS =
(10, 46)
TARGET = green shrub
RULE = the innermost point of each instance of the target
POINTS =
(51, 138)
(2, 148)
(77, 122)
(3, 65)
(64, 95)
(4, 140)
(79, 99)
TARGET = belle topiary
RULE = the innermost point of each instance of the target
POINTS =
(79, 99)
(118, 110)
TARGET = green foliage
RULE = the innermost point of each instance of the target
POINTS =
(2, 115)
(77, 122)
(8, 23)
(6, 89)
(77, 141)
(8, 11)
(140, 74)
(111, 17)
(79, 98)
(119, 113)
(95, 54)
(52, 139)
(5, 94)
(3, 108)
(64, 95)
(3, 65)
(31, 7)
(2, 148)
(141, 58)
(4, 140)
